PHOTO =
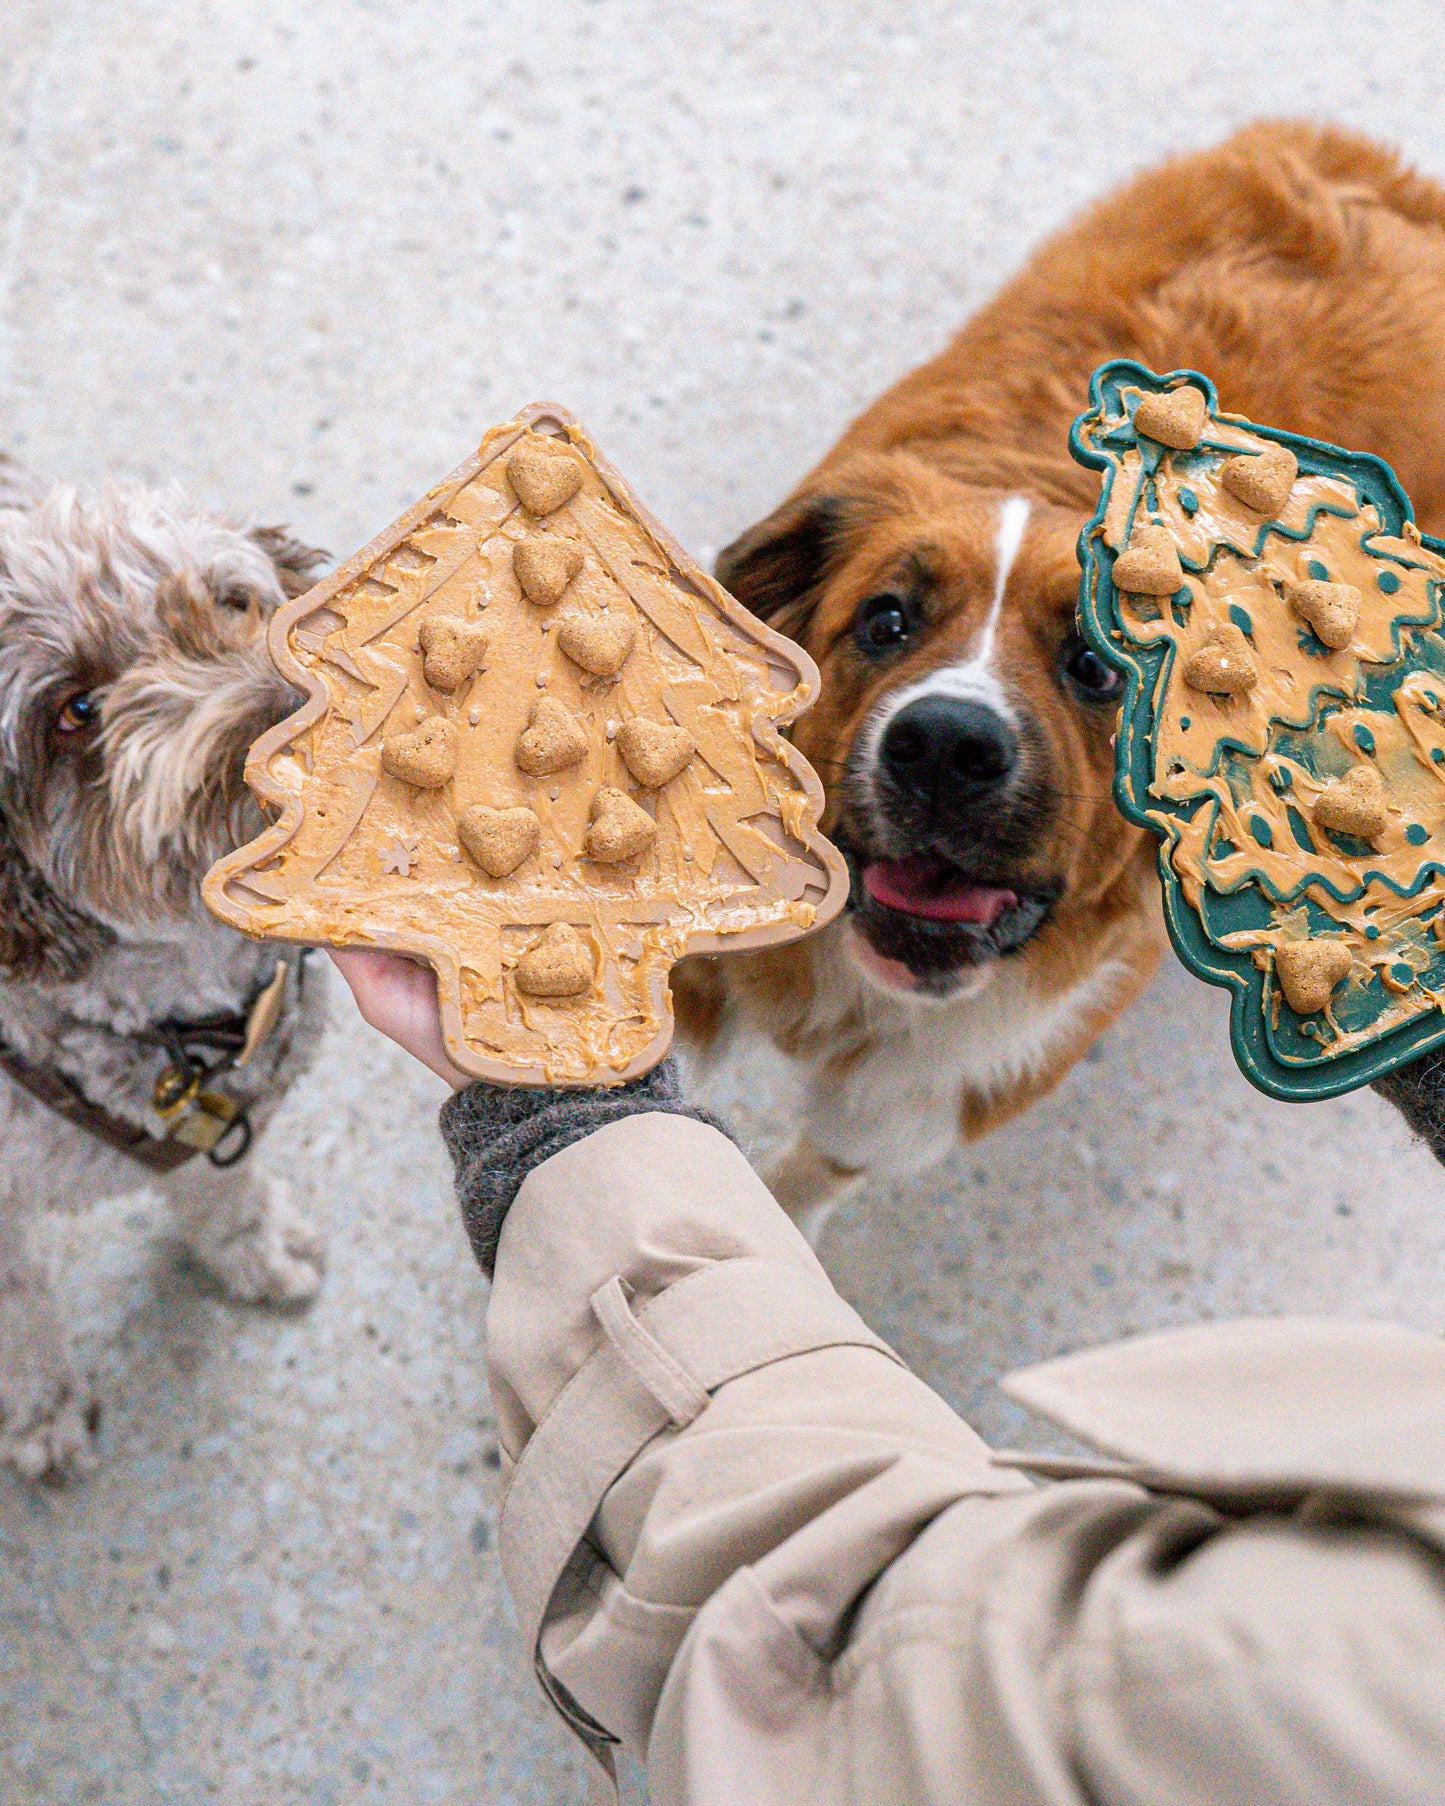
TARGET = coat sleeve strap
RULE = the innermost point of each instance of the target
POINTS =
(669, 1382)
(654, 1370)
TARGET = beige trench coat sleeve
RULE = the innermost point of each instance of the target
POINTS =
(747, 1544)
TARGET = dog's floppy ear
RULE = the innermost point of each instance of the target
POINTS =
(41, 936)
(295, 563)
(776, 568)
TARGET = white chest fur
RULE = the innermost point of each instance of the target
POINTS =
(885, 1087)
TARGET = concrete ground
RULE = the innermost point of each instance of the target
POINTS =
(298, 256)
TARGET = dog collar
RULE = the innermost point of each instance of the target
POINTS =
(190, 1095)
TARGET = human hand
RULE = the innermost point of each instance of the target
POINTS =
(398, 996)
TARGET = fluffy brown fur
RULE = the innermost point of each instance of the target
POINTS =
(133, 679)
(1303, 269)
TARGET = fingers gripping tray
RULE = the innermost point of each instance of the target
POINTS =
(1277, 617)
(541, 751)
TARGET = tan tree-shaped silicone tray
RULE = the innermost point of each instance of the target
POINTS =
(540, 751)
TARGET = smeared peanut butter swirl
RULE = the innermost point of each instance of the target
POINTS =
(1256, 762)
(619, 628)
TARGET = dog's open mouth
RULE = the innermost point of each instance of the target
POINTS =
(935, 891)
(929, 923)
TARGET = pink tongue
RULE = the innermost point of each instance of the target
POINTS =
(922, 887)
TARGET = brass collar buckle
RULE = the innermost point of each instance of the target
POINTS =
(203, 1050)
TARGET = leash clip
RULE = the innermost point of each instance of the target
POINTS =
(176, 1086)
(207, 1120)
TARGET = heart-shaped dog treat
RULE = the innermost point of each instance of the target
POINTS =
(1222, 665)
(1175, 418)
(453, 650)
(1309, 972)
(1355, 804)
(539, 869)
(654, 751)
(553, 739)
(1281, 728)
(1149, 565)
(543, 475)
(1261, 480)
(544, 568)
(558, 964)
(426, 757)
(498, 839)
(599, 643)
(620, 830)
(1331, 609)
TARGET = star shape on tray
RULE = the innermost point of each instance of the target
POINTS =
(400, 856)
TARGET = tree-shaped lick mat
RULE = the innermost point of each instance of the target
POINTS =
(541, 752)
(1277, 616)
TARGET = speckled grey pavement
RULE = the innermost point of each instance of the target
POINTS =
(298, 256)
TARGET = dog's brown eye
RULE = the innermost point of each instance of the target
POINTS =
(882, 624)
(1088, 673)
(78, 712)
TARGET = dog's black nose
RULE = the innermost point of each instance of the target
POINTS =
(947, 750)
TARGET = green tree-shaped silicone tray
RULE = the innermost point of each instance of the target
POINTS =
(1242, 776)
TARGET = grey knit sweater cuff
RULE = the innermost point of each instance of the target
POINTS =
(496, 1134)
(1418, 1092)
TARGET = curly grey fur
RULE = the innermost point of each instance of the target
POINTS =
(496, 1134)
(157, 612)
(41, 936)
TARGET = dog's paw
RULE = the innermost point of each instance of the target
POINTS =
(276, 1258)
(47, 1427)
(48, 1415)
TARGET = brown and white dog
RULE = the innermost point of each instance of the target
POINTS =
(1002, 912)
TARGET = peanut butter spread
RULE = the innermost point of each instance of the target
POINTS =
(541, 751)
(1295, 746)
